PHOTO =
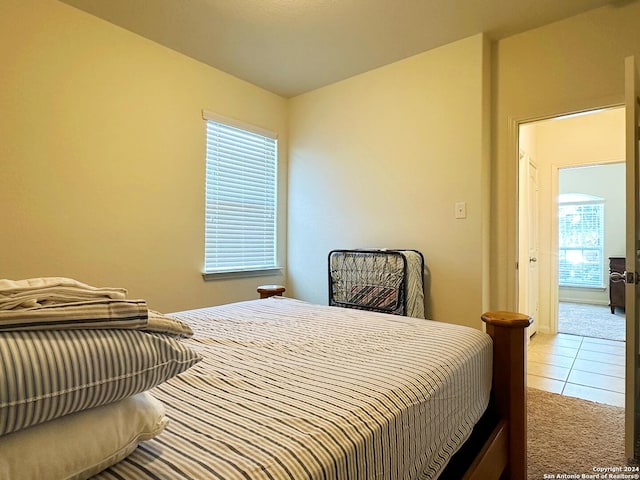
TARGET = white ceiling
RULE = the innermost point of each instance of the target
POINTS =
(294, 46)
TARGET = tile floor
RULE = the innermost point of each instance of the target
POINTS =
(575, 366)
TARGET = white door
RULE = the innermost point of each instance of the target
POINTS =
(632, 89)
(528, 281)
(533, 301)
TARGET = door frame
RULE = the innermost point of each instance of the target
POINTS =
(632, 139)
(515, 124)
(553, 258)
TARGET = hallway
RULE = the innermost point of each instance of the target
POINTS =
(576, 366)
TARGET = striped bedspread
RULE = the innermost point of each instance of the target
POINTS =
(289, 390)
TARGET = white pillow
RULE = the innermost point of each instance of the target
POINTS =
(82, 444)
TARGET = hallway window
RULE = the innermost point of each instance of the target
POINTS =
(581, 234)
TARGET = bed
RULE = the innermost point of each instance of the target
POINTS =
(290, 390)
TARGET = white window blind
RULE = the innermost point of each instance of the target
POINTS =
(241, 198)
(581, 235)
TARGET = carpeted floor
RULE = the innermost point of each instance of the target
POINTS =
(572, 437)
(591, 321)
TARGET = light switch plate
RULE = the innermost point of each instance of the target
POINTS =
(461, 209)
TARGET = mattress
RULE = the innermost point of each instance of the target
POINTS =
(290, 390)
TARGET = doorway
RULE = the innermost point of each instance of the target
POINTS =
(568, 363)
(591, 244)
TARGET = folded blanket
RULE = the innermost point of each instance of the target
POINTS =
(35, 292)
(56, 303)
(106, 313)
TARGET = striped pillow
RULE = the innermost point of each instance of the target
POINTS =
(49, 374)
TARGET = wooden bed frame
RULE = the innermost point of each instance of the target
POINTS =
(504, 453)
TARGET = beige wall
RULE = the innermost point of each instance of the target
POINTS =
(380, 159)
(101, 130)
(569, 142)
(102, 156)
(572, 65)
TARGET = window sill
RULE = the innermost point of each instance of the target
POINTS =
(243, 274)
(583, 287)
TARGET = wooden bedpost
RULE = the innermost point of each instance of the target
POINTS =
(507, 329)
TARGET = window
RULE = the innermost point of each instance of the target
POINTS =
(241, 197)
(581, 235)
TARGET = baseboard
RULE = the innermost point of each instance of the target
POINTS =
(583, 302)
